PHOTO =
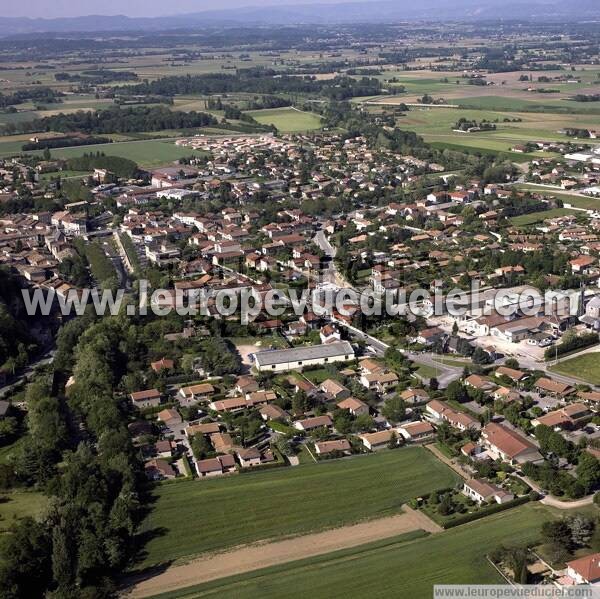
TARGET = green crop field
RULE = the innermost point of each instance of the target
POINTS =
(17, 505)
(148, 153)
(585, 367)
(193, 517)
(575, 199)
(538, 217)
(287, 120)
(539, 104)
(398, 567)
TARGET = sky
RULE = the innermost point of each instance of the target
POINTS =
(137, 8)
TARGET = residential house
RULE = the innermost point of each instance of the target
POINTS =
(375, 441)
(202, 428)
(585, 570)
(355, 406)
(477, 381)
(159, 469)
(195, 393)
(149, 398)
(547, 386)
(482, 491)
(309, 424)
(429, 336)
(508, 445)
(169, 417)
(416, 431)
(513, 374)
(329, 447)
(273, 412)
(438, 411)
(334, 390)
(414, 396)
(218, 466)
(162, 364)
(563, 418)
(248, 457)
(379, 381)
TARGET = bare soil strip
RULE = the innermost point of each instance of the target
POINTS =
(254, 557)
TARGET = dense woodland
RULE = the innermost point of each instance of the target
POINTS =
(117, 120)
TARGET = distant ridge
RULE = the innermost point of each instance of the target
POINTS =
(382, 11)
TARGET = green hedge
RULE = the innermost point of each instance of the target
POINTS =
(488, 511)
(575, 343)
(130, 250)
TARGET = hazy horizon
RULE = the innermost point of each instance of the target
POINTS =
(138, 8)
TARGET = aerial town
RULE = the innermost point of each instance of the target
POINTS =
(149, 445)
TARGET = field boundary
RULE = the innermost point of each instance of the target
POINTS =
(262, 555)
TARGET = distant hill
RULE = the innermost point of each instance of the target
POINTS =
(350, 12)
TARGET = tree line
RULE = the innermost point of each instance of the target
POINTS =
(116, 120)
(78, 452)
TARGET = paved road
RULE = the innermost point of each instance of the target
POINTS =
(533, 364)
(29, 371)
(567, 505)
(445, 373)
(331, 275)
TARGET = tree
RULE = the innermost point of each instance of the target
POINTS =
(201, 448)
(558, 534)
(342, 421)
(588, 471)
(446, 505)
(480, 356)
(394, 409)
(511, 363)
(523, 574)
(364, 422)
(581, 529)
(25, 567)
(456, 391)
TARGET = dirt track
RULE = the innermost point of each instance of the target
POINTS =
(254, 557)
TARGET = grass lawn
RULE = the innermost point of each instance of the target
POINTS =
(193, 517)
(8, 451)
(287, 120)
(427, 371)
(458, 362)
(318, 375)
(17, 505)
(538, 217)
(397, 567)
(585, 367)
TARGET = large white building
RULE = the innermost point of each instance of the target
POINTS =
(278, 360)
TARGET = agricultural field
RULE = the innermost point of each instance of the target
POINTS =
(287, 120)
(147, 153)
(395, 567)
(585, 367)
(436, 125)
(537, 217)
(576, 200)
(193, 517)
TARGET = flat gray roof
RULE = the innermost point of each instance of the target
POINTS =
(299, 354)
